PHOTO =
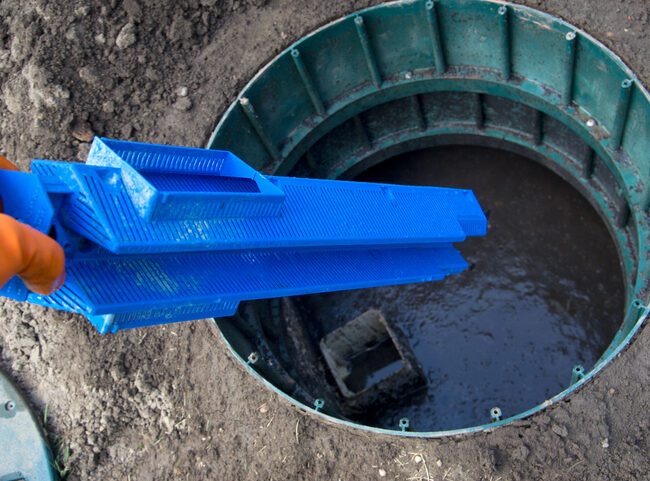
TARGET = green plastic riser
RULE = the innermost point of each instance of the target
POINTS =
(406, 75)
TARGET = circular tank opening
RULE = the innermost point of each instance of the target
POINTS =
(456, 93)
(509, 331)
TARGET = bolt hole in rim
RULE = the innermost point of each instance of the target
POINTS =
(582, 113)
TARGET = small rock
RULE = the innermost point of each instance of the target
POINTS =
(127, 130)
(82, 11)
(100, 38)
(183, 104)
(5, 59)
(88, 74)
(439, 463)
(115, 374)
(42, 92)
(126, 37)
(605, 443)
(167, 422)
(74, 33)
(152, 74)
(182, 91)
(264, 408)
(560, 430)
(382, 473)
(108, 107)
(82, 131)
(35, 355)
(417, 459)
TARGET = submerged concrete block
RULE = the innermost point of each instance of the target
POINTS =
(371, 362)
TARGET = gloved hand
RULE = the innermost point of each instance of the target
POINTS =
(36, 258)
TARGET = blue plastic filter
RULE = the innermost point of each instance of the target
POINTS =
(156, 234)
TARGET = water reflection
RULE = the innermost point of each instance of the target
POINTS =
(545, 294)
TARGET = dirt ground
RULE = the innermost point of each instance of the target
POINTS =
(170, 402)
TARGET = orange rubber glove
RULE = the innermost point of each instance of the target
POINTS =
(36, 258)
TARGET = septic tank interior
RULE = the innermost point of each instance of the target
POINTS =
(453, 93)
(508, 332)
(170, 403)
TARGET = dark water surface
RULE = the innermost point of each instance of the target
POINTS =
(546, 292)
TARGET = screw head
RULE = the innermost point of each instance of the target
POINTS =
(10, 406)
(496, 413)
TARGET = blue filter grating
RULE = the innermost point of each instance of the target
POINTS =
(156, 234)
